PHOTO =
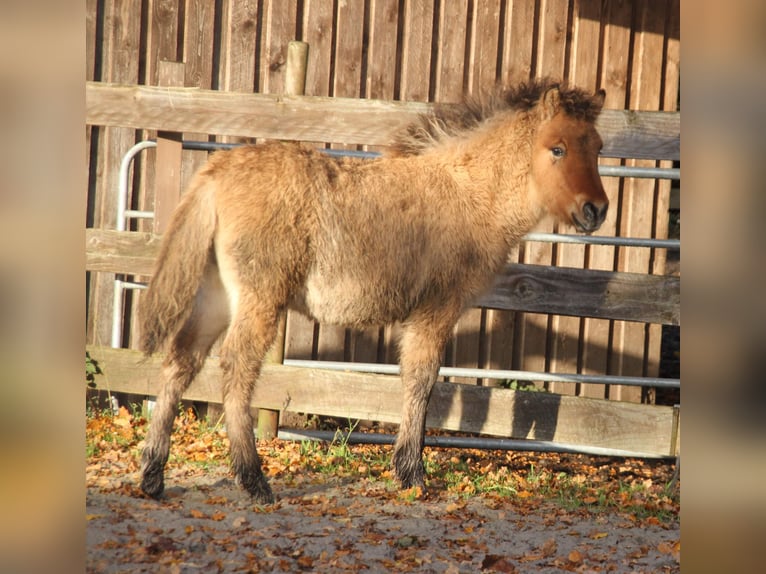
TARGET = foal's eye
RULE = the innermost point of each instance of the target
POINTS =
(557, 151)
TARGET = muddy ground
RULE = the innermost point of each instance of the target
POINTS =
(206, 523)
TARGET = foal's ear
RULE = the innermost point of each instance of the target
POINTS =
(599, 98)
(550, 103)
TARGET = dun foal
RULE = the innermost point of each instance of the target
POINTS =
(411, 237)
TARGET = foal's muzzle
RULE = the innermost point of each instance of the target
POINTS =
(592, 217)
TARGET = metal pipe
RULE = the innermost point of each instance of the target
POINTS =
(672, 244)
(122, 189)
(482, 443)
(673, 173)
(121, 225)
(388, 369)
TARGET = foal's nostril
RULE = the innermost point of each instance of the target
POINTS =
(593, 214)
(590, 212)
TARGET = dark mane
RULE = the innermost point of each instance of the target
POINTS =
(448, 120)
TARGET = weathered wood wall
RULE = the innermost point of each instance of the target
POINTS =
(417, 51)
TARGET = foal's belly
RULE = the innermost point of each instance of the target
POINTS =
(345, 300)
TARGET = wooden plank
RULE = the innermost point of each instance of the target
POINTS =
(239, 23)
(318, 28)
(518, 45)
(616, 24)
(533, 288)
(482, 71)
(484, 18)
(450, 56)
(347, 81)
(417, 34)
(279, 23)
(646, 429)
(504, 331)
(587, 293)
(381, 49)
(199, 35)
(161, 68)
(129, 252)
(637, 201)
(654, 135)
(534, 331)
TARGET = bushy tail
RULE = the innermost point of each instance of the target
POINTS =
(184, 252)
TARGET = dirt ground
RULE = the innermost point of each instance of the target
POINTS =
(206, 523)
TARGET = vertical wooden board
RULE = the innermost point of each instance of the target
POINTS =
(519, 41)
(583, 72)
(551, 46)
(299, 337)
(505, 340)
(616, 23)
(449, 75)
(381, 84)
(161, 37)
(337, 343)
(417, 34)
(348, 82)
(279, 25)
(498, 341)
(161, 46)
(198, 24)
(318, 26)
(91, 24)
(482, 70)
(638, 194)
(450, 56)
(239, 25)
(517, 65)
(381, 49)
(533, 329)
(119, 65)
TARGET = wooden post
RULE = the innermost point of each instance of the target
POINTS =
(169, 150)
(295, 85)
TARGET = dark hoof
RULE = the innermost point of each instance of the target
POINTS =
(258, 488)
(153, 484)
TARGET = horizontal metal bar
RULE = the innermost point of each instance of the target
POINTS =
(673, 173)
(137, 214)
(387, 369)
(672, 244)
(351, 153)
(130, 284)
(460, 442)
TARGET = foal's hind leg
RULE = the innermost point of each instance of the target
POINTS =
(250, 335)
(421, 346)
(184, 360)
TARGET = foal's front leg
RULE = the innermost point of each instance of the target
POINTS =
(420, 356)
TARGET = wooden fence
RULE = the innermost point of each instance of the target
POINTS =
(188, 69)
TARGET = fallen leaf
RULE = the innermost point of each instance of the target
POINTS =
(549, 547)
(574, 557)
(497, 563)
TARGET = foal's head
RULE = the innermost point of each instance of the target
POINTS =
(565, 157)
